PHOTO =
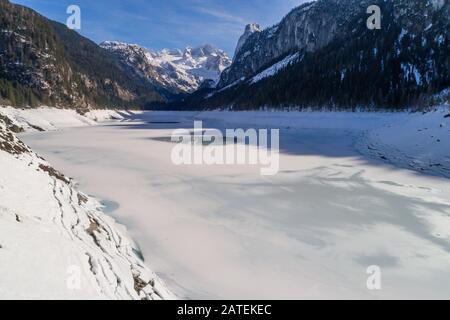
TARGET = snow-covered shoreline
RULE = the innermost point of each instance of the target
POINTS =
(51, 119)
(55, 241)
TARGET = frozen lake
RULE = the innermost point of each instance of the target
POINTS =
(311, 231)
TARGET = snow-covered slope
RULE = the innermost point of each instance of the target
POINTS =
(275, 68)
(55, 242)
(175, 70)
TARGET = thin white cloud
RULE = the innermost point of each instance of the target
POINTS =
(220, 15)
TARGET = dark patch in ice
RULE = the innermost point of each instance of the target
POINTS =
(205, 141)
(343, 165)
(383, 260)
(391, 183)
(109, 206)
(164, 122)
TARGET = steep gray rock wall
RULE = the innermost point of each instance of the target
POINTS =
(308, 27)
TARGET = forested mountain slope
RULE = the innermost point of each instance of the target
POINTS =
(43, 62)
(322, 54)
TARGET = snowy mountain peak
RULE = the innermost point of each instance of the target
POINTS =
(249, 30)
(205, 50)
(252, 28)
(178, 71)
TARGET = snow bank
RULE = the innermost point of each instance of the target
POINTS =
(49, 119)
(55, 242)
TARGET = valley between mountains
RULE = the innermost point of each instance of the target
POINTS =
(92, 206)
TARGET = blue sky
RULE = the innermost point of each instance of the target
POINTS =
(158, 24)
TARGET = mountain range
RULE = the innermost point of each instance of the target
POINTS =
(323, 55)
(180, 72)
(320, 55)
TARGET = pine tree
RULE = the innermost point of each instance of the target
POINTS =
(10, 95)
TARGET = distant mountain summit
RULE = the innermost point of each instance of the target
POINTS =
(249, 30)
(177, 71)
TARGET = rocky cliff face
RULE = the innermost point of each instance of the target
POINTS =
(310, 27)
(178, 72)
(249, 30)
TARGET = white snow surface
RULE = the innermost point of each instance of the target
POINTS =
(55, 242)
(343, 200)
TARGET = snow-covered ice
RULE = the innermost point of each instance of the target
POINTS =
(338, 205)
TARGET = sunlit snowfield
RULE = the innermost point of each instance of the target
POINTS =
(227, 232)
